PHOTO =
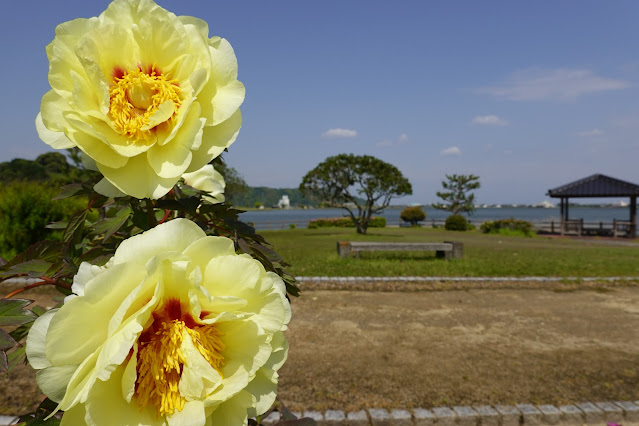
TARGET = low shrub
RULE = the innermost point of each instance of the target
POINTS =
(413, 215)
(456, 222)
(26, 208)
(344, 222)
(510, 226)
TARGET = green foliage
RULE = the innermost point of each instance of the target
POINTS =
(456, 222)
(510, 226)
(345, 222)
(413, 215)
(26, 208)
(456, 196)
(360, 184)
(51, 167)
(236, 186)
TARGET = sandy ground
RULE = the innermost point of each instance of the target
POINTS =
(351, 350)
(356, 349)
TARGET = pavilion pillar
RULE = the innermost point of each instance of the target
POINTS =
(564, 214)
(633, 217)
(561, 216)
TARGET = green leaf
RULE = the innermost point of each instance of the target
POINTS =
(92, 254)
(140, 219)
(286, 413)
(38, 310)
(42, 250)
(37, 421)
(189, 204)
(168, 205)
(42, 412)
(68, 191)
(73, 233)
(4, 364)
(33, 268)
(111, 225)
(15, 357)
(21, 332)
(291, 288)
(57, 225)
(6, 341)
(12, 312)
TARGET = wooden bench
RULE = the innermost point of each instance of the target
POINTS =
(446, 250)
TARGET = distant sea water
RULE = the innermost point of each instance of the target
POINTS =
(280, 219)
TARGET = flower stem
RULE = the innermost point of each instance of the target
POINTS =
(45, 281)
(150, 213)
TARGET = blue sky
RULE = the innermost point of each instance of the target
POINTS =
(527, 95)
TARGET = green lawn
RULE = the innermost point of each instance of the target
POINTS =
(312, 252)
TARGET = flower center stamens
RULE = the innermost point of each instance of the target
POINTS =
(161, 363)
(136, 99)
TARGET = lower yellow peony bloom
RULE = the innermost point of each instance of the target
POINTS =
(176, 329)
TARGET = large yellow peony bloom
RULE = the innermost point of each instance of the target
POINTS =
(176, 329)
(145, 94)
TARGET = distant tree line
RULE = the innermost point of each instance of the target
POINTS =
(268, 197)
(52, 167)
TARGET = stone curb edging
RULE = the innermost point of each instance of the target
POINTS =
(584, 413)
(464, 279)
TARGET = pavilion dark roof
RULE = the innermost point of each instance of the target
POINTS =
(597, 185)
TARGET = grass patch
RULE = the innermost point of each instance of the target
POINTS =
(312, 252)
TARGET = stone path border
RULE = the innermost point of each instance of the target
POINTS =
(414, 283)
(584, 413)
(466, 279)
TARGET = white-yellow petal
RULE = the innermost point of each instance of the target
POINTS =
(53, 381)
(57, 140)
(232, 412)
(137, 178)
(215, 139)
(105, 406)
(206, 179)
(37, 339)
(173, 236)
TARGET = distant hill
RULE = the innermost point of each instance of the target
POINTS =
(269, 197)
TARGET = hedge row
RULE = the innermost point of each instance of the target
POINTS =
(508, 227)
(344, 222)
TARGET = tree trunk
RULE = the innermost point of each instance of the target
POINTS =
(360, 228)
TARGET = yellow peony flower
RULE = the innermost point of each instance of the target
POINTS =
(145, 94)
(209, 180)
(176, 329)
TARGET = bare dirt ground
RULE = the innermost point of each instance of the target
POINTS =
(394, 349)
(356, 349)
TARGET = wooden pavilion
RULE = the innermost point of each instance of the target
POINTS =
(597, 186)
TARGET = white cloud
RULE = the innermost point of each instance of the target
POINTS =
(339, 133)
(401, 139)
(534, 84)
(453, 150)
(489, 120)
(593, 132)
